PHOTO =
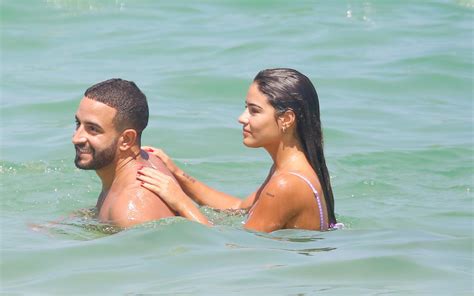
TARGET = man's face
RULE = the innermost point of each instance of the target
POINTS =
(95, 138)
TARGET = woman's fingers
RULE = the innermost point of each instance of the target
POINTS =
(158, 153)
(155, 151)
(165, 183)
(163, 156)
(149, 148)
(147, 171)
(149, 180)
(151, 176)
(150, 172)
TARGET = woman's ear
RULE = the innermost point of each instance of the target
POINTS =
(128, 139)
(287, 120)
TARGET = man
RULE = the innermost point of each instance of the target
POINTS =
(109, 122)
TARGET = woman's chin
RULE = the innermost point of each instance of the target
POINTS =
(250, 144)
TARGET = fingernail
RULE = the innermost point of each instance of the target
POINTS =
(149, 149)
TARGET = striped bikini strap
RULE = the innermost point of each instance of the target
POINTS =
(321, 212)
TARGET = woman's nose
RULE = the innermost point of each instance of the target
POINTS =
(244, 118)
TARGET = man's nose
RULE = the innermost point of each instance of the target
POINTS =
(78, 137)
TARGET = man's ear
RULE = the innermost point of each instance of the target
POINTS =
(128, 139)
(287, 119)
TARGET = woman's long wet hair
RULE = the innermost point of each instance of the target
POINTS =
(288, 89)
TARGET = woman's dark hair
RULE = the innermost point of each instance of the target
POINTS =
(288, 89)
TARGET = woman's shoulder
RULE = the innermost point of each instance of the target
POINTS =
(292, 183)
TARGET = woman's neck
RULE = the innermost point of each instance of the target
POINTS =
(286, 156)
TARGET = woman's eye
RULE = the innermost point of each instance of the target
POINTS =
(253, 110)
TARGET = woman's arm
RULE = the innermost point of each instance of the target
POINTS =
(273, 209)
(198, 191)
(205, 195)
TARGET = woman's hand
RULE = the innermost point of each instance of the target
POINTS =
(167, 188)
(163, 185)
(174, 169)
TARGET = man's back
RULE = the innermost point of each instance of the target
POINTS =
(127, 203)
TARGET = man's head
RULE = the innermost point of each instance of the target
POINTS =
(110, 119)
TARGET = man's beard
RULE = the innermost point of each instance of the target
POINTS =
(99, 159)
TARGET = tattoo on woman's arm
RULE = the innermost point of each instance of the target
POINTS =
(191, 179)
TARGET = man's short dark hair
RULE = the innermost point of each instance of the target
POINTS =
(126, 98)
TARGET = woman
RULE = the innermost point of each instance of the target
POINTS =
(282, 116)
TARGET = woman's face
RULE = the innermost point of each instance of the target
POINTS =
(260, 128)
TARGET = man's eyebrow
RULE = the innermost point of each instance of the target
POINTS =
(90, 123)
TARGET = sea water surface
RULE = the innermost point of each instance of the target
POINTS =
(395, 82)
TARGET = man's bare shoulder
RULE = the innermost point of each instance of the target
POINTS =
(135, 204)
(157, 163)
(142, 197)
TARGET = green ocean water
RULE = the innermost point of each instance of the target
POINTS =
(395, 81)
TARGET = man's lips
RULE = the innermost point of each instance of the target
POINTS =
(83, 150)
